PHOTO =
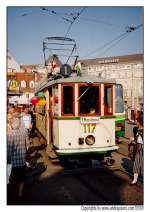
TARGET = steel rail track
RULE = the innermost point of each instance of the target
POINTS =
(88, 184)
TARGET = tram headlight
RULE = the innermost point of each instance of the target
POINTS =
(90, 140)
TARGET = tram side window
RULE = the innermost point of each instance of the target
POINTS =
(119, 104)
(89, 100)
(68, 100)
(108, 103)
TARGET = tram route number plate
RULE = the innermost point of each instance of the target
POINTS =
(90, 120)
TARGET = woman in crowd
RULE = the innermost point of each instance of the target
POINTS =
(138, 160)
(27, 120)
(16, 151)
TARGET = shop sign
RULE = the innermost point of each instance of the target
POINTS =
(113, 60)
(14, 85)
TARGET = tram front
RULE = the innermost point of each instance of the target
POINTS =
(85, 121)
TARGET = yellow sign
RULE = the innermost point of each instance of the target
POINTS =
(118, 128)
(14, 85)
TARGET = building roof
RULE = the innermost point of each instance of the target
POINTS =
(25, 76)
(31, 66)
(110, 60)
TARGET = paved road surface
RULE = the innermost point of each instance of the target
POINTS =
(55, 186)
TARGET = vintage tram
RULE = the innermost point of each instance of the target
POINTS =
(79, 116)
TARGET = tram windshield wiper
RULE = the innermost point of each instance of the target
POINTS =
(83, 93)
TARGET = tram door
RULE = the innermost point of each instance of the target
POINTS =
(108, 100)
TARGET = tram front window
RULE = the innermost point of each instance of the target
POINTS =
(119, 104)
(89, 100)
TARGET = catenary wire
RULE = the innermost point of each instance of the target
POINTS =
(118, 41)
(114, 44)
(118, 38)
(106, 44)
(102, 22)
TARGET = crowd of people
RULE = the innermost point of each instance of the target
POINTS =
(20, 126)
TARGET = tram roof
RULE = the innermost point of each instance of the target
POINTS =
(76, 79)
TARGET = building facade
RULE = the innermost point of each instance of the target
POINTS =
(127, 70)
(21, 80)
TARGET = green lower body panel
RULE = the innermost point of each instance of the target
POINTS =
(120, 128)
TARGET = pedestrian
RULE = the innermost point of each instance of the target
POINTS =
(126, 109)
(22, 113)
(33, 120)
(16, 153)
(26, 119)
(9, 120)
(138, 160)
(11, 109)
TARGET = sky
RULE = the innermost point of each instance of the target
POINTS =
(92, 30)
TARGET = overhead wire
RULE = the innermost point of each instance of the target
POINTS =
(106, 44)
(55, 13)
(114, 44)
(116, 40)
(74, 17)
(103, 22)
(132, 29)
(70, 28)
(24, 15)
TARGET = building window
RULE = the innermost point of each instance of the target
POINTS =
(23, 84)
(27, 95)
(127, 66)
(32, 84)
(139, 65)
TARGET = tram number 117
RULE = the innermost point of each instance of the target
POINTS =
(89, 128)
